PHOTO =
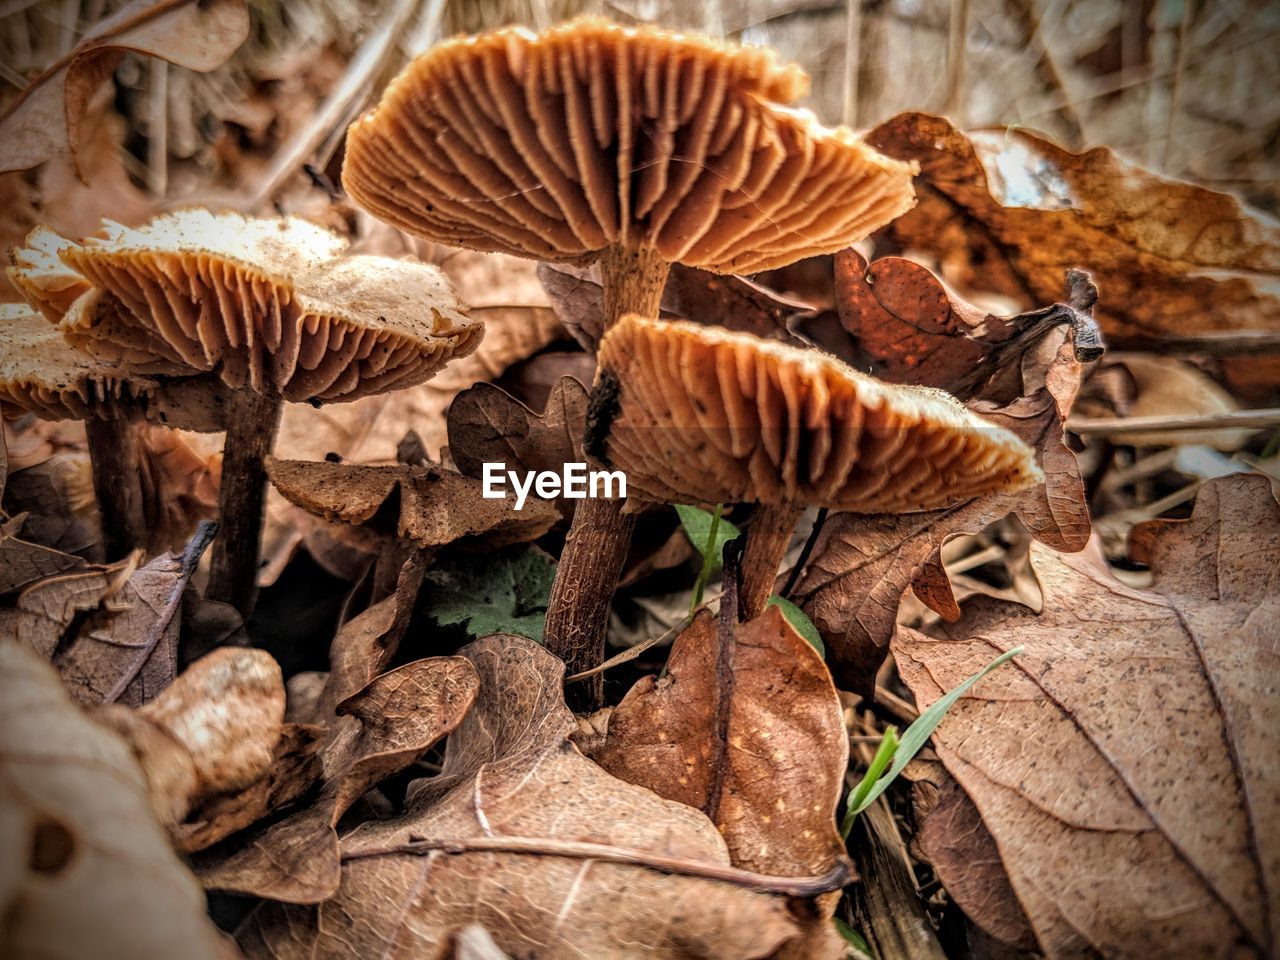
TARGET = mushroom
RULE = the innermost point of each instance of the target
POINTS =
(276, 310)
(633, 146)
(42, 374)
(704, 414)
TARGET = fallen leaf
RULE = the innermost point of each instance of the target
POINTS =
(1138, 729)
(952, 839)
(181, 473)
(378, 731)
(56, 496)
(862, 565)
(85, 869)
(488, 425)
(508, 830)
(1008, 211)
(690, 293)
(47, 119)
(495, 593)
(912, 329)
(746, 726)
(112, 632)
(23, 563)
(432, 506)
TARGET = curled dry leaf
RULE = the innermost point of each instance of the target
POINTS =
(112, 632)
(181, 472)
(912, 329)
(23, 563)
(377, 732)
(488, 425)
(48, 120)
(1008, 211)
(432, 506)
(862, 565)
(690, 294)
(512, 779)
(1138, 729)
(85, 870)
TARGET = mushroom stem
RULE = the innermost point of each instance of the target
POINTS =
(117, 483)
(768, 537)
(251, 433)
(600, 534)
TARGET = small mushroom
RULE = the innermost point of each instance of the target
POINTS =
(704, 414)
(277, 311)
(42, 374)
(633, 146)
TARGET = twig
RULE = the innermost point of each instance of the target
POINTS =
(1175, 94)
(895, 704)
(798, 567)
(834, 879)
(633, 652)
(358, 74)
(852, 54)
(158, 129)
(1114, 426)
(1225, 344)
(957, 46)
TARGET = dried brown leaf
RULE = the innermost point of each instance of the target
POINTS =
(511, 775)
(488, 425)
(85, 870)
(431, 506)
(23, 563)
(746, 726)
(112, 632)
(1137, 730)
(378, 732)
(1008, 211)
(48, 119)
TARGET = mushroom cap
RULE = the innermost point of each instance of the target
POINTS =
(588, 135)
(43, 374)
(38, 273)
(704, 415)
(276, 304)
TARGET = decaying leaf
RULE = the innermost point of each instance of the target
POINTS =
(746, 726)
(377, 732)
(85, 870)
(48, 119)
(488, 425)
(1008, 211)
(1138, 730)
(181, 472)
(505, 838)
(862, 565)
(112, 631)
(912, 329)
(690, 294)
(432, 506)
(23, 563)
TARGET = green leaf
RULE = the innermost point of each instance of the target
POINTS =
(856, 802)
(800, 621)
(852, 937)
(917, 735)
(504, 592)
(697, 525)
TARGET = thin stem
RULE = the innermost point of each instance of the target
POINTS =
(117, 483)
(233, 573)
(708, 560)
(768, 537)
(835, 878)
(600, 534)
(793, 578)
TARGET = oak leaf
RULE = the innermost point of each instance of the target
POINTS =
(48, 119)
(85, 869)
(514, 811)
(1138, 730)
(1008, 211)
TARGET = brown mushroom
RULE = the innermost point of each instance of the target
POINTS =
(702, 414)
(274, 308)
(631, 145)
(42, 374)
